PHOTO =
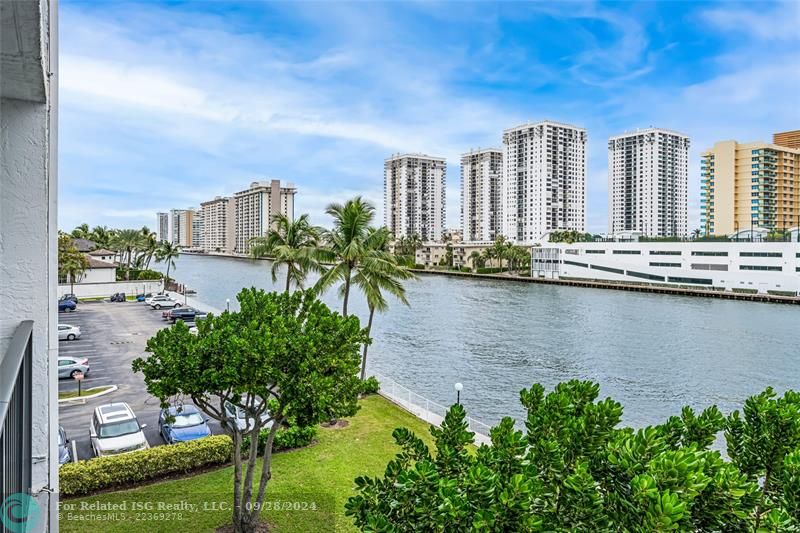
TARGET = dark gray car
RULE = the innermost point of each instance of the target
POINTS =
(64, 453)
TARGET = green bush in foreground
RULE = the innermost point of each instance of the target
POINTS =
(575, 470)
(287, 438)
(371, 385)
(85, 477)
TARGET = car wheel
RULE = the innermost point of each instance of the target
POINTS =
(177, 306)
(71, 337)
(158, 306)
(72, 374)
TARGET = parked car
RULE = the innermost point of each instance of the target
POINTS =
(118, 297)
(69, 296)
(68, 333)
(64, 453)
(67, 305)
(148, 300)
(187, 314)
(193, 330)
(114, 429)
(167, 303)
(166, 314)
(69, 366)
(179, 423)
(143, 297)
(237, 417)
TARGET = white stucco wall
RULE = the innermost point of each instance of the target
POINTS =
(99, 275)
(106, 289)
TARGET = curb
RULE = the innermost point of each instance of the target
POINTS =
(82, 399)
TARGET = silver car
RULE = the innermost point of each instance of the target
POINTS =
(68, 333)
(69, 366)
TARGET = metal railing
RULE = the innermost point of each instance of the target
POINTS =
(424, 408)
(15, 412)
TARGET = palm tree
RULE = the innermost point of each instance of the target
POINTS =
(72, 264)
(167, 252)
(499, 248)
(126, 242)
(378, 272)
(81, 232)
(149, 247)
(475, 259)
(696, 233)
(101, 236)
(346, 243)
(291, 243)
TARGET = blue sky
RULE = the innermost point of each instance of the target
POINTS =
(169, 104)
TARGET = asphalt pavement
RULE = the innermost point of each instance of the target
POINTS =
(112, 336)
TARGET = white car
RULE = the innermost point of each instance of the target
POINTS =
(167, 303)
(164, 296)
(236, 416)
(69, 333)
(114, 429)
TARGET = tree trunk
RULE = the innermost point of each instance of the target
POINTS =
(266, 473)
(288, 277)
(237, 481)
(128, 270)
(366, 345)
(346, 291)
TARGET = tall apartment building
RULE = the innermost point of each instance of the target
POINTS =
(481, 177)
(219, 225)
(182, 227)
(414, 195)
(648, 181)
(749, 185)
(787, 139)
(197, 228)
(163, 227)
(544, 180)
(254, 208)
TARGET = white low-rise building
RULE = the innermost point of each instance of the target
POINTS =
(752, 266)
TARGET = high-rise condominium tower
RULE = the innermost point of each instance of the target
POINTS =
(648, 180)
(481, 176)
(788, 139)
(219, 224)
(752, 185)
(182, 227)
(163, 227)
(255, 207)
(414, 195)
(544, 180)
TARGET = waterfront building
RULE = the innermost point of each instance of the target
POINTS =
(254, 208)
(163, 227)
(648, 180)
(718, 265)
(182, 227)
(29, 483)
(481, 177)
(453, 235)
(219, 225)
(751, 185)
(197, 229)
(436, 253)
(788, 139)
(414, 195)
(544, 180)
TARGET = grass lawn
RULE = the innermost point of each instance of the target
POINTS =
(84, 392)
(321, 474)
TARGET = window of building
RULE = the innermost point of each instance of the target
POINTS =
(603, 251)
(760, 254)
(668, 265)
(695, 281)
(711, 254)
(761, 267)
(709, 266)
(627, 252)
(665, 252)
(575, 263)
(608, 269)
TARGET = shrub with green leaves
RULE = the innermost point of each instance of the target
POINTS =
(85, 477)
(370, 385)
(574, 469)
(287, 438)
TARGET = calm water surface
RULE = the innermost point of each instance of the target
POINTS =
(653, 353)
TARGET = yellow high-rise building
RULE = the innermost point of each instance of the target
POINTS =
(751, 185)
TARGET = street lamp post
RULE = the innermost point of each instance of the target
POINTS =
(227, 304)
(459, 387)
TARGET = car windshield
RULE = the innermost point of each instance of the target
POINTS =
(60, 439)
(185, 420)
(117, 429)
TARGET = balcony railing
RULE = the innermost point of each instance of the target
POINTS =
(15, 412)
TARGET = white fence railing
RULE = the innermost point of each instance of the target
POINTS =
(426, 409)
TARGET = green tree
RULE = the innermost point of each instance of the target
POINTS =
(126, 242)
(476, 260)
(81, 232)
(378, 273)
(346, 244)
(282, 356)
(72, 264)
(167, 253)
(499, 249)
(102, 236)
(293, 244)
(574, 469)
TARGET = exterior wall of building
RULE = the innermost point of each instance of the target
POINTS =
(183, 227)
(749, 185)
(219, 225)
(414, 195)
(28, 226)
(197, 229)
(432, 253)
(768, 266)
(544, 180)
(99, 275)
(254, 208)
(105, 289)
(788, 139)
(163, 227)
(481, 176)
(648, 180)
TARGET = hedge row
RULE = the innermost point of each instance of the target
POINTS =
(490, 270)
(85, 477)
(286, 438)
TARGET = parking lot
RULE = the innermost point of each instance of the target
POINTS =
(112, 336)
